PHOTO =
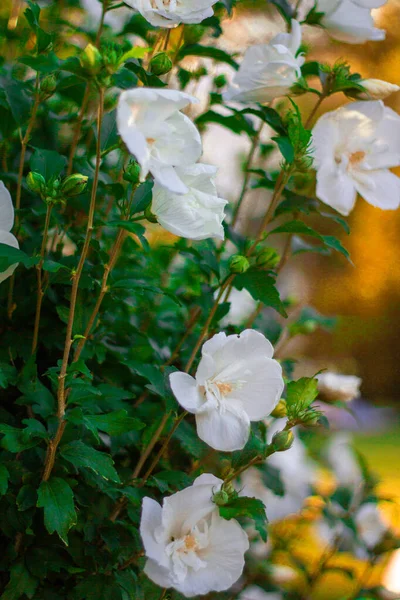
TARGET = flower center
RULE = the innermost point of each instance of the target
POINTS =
(224, 388)
(150, 141)
(357, 157)
(185, 552)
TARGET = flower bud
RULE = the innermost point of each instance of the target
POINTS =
(267, 258)
(48, 85)
(149, 215)
(74, 185)
(36, 183)
(282, 441)
(160, 64)
(220, 81)
(304, 328)
(132, 172)
(309, 418)
(375, 89)
(221, 498)
(238, 264)
(280, 410)
(91, 59)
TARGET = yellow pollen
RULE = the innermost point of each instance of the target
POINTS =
(224, 388)
(357, 157)
(190, 542)
(150, 140)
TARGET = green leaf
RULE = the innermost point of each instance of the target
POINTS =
(82, 456)
(142, 197)
(10, 256)
(251, 508)
(235, 122)
(17, 440)
(301, 393)
(27, 497)
(297, 226)
(21, 582)
(271, 477)
(41, 63)
(262, 288)
(48, 163)
(286, 148)
(269, 116)
(56, 498)
(285, 9)
(4, 477)
(17, 99)
(114, 423)
(208, 52)
(8, 374)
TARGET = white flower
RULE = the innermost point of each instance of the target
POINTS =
(254, 592)
(371, 525)
(158, 135)
(196, 215)
(342, 459)
(351, 20)
(6, 224)
(354, 148)
(297, 473)
(188, 545)
(376, 89)
(268, 70)
(336, 387)
(242, 305)
(237, 381)
(169, 13)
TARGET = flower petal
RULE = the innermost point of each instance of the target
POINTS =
(150, 520)
(10, 240)
(6, 209)
(186, 391)
(337, 189)
(380, 188)
(225, 430)
(224, 556)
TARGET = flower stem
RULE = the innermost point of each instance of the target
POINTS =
(314, 110)
(39, 267)
(78, 129)
(24, 144)
(247, 175)
(61, 392)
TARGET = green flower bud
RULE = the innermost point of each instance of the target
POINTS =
(91, 59)
(149, 215)
(220, 81)
(74, 185)
(309, 418)
(132, 172)
(36, 183)
(238, 264)
(282, 441)
(221, 498)
(48, 85)
(160, 64)
(280, 410)
(267, 258)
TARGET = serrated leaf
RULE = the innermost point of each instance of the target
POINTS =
(114, 423)
(56, 498)
(82, 456)
(301, 393)
(262, 288)
(21, 582)
(251, 508)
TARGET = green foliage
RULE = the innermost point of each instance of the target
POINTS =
(250, 508)
(57, 500)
